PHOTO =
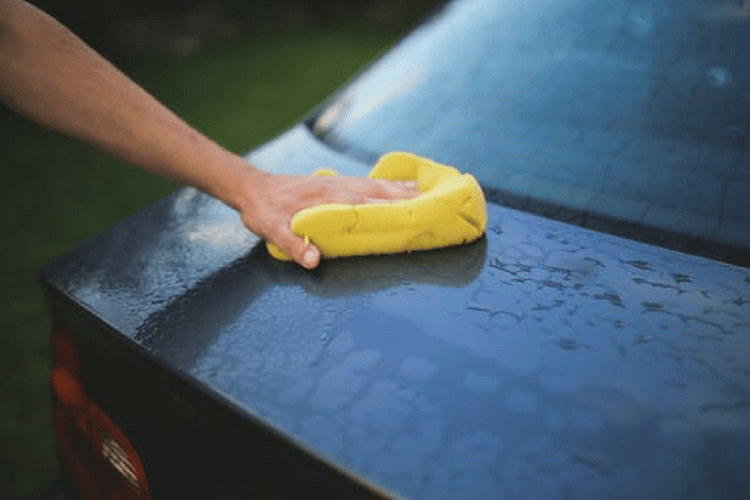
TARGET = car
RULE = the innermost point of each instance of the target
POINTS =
(595, 343)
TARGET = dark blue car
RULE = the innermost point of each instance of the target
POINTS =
(594, 344)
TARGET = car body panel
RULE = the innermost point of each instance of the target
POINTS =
(636, 111)
(545, 360)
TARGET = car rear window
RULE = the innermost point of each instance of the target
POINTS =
(630, 113)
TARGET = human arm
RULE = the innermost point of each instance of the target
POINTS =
(52, 77)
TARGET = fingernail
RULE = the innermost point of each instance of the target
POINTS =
(309, 257)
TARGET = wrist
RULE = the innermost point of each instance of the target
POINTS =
(242, 184)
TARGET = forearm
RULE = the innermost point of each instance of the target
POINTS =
(52, 77)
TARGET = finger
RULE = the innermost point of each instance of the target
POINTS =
(401, 189)
(411, 185)
(386, 190)
(310, 257)
(303, 253)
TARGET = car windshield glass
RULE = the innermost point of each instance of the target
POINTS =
(631, 112)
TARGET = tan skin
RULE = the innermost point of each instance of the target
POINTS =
(52, 77)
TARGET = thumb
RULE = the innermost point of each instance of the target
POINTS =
(299, 249)
(310, 257)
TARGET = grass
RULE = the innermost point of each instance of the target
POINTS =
(56, 192)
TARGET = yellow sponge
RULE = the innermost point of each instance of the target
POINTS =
(449, 211)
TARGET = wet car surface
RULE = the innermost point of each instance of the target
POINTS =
(546, 360)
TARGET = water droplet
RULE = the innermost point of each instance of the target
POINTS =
(641, 23)
(719, 77)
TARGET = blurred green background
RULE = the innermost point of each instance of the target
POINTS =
(239, 71)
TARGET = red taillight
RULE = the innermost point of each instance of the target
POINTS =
(96, 455)
(64, 351)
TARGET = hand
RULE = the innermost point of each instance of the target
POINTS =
(274, 199)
